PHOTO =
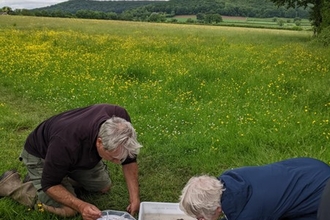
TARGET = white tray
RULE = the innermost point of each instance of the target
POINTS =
(161, 211)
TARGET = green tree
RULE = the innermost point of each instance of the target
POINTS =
(315, 14)
(6, 9)
(211, 18)
(200, 16)
(325, 14)
(217, 18)
(324, 37)
(112, 16)
(156, 17)
(190, 21)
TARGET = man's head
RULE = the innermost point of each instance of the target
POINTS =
(201, 197)
(118, 138)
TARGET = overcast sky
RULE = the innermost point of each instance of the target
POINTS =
(28, 4)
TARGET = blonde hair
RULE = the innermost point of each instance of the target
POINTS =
(201, 196)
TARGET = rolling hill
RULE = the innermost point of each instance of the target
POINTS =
(249, 8)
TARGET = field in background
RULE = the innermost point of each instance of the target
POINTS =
(203, 99)
(279, 23)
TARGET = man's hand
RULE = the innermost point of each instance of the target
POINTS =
(89, 211)
(63, 196)
(133, 207)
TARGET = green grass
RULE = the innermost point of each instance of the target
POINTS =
(202, 98)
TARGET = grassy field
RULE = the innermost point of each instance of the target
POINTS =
(203, 99)
(271, 23)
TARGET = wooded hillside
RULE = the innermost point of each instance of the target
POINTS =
(247, 8)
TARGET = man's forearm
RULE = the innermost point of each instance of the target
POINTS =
(71, 204)
(63, 196)
(131, 176)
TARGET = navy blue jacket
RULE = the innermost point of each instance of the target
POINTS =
(286, 190)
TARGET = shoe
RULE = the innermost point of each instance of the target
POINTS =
(7, 173)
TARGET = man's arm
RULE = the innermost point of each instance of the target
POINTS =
(63, 196)
(131, 176)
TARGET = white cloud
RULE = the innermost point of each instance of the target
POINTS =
(28, 4)
(31, 4)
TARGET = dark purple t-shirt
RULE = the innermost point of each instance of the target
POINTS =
(67, 141)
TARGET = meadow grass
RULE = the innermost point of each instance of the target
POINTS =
(203, 99)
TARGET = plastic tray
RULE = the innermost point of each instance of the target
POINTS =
(161, 211)
(115, 215)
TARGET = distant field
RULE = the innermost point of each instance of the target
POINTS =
(286, 23)
(234, 18)
(202, 98)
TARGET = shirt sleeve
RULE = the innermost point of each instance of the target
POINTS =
(56, 165)
(129, 160)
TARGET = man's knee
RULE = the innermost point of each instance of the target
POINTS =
(106, 189)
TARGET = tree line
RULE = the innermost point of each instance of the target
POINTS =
(318, 11)
(136, 9)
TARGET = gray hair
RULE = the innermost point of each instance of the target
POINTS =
(117, 132)
(201, 196)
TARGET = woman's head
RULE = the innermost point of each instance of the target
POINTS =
(201, 197)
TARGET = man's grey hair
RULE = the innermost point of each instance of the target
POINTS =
(117, 132)
(201, 196)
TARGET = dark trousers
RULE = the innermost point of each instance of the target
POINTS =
(324, 208)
